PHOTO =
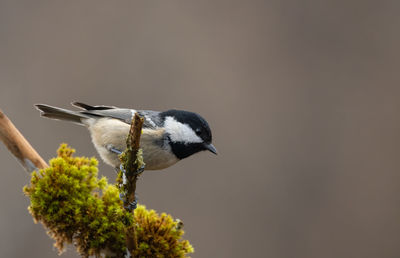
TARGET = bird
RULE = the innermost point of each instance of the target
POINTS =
(167, 136)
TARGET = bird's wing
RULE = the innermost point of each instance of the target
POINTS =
(89, 107)
(152, 118)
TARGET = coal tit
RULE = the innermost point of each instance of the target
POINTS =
(167, 137)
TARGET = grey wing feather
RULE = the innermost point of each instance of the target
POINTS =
(152, 118)
(122, 114)
(89, 107)
(105, 111)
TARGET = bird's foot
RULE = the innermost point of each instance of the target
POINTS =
(130, 206)
(137, 173)
(121, 168)
(139, 170)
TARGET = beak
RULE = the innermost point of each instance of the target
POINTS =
(211, 148)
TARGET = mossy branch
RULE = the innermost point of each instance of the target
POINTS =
(77, 207)
(130, 158)
(132, 163)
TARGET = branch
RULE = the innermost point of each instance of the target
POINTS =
(19, 146)
(131, 161)
(131, 164)
(158, 229)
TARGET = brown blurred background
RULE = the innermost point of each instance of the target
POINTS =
(302, 97)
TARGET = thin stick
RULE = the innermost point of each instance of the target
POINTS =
(131, 167)
(19, 146)
(132, 144)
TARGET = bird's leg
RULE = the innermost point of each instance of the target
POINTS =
(112, 149)
(131, 206)
(121, 168)
(128, 205)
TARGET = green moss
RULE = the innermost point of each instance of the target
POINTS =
(77, 207)
(159, 235)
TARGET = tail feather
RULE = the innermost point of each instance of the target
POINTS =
(60, 113)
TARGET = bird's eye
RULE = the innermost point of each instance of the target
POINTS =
(198, 131)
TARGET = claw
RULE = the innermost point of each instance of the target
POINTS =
(131, 206)
(128, 205)
(124, 179)
(140, 170)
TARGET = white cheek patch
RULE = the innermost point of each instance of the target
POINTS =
(179, 132)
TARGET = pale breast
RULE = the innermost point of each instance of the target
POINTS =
(156, 152)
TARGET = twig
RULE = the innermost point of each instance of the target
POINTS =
(132, 166)
(19, 146)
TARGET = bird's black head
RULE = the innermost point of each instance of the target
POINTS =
(188, 133)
